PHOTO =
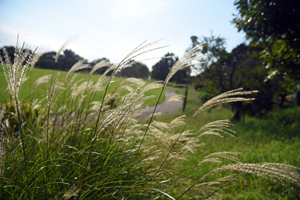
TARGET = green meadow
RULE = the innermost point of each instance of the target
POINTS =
(273, 139)
(40, 92)
(113, 156)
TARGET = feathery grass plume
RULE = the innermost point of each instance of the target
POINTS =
(150, 86)
(62, 48)
(35, 58)
(2, 112)
(150, 116)
(2, 154)
(217, 128)
(117, 115)
(226, 154)
(136, 52)
(70, 193)
(207, 189)
(226, 97)
(15, 73)
(222, 98)
(2, 143)
(137, 81)
(224, 124)
(99, 65)
(175, 98)
(179, 65)
(141, 49)
(41, 80)
(275, 172)
(77, 66)
(76, 90)
(177, 122)
(185, 61)
(35, 104)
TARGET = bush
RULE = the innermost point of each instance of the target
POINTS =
(33, 115)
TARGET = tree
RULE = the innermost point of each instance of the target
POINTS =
(102, 69)
(137, 70)
(241, 68)
(46, 61)
(68, 59)
(161, 69)
(215, 49)
(65, 61)
(275, 26)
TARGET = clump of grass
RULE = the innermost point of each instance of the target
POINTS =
(89, 148)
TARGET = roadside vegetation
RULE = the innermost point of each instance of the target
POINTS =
(93, 148)
(274, 138)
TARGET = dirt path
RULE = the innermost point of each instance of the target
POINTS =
(166, 108)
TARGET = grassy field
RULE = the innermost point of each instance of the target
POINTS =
(275, 139)
(41, 91)
(99, 151)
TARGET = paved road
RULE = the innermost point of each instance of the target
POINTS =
(166, 108)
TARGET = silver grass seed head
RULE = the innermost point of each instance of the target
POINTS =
(70, 40)
(36, 57)
(184, 62)
(137, 81)
(71, 192)
(99, 65)
(226, 97)
(139, 50)
(177, 122)
(41, 80)
(217, 124)
(77, 66)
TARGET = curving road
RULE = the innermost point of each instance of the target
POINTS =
(166, 108)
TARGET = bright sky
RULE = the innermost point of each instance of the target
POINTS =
(112, 28)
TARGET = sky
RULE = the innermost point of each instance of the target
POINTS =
(113, 28)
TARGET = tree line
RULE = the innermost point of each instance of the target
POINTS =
(137, 69)
(270, 62)
(68, 58)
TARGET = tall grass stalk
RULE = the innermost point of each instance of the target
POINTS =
(81, 147)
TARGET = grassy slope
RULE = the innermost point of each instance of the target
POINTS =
(266, 140)
(260, 140)
(40, 91)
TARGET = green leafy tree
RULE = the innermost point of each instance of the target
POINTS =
(102, 69)
(47, 60)
(161, 69)
(241, 68)
(215, 49)
(65, 61)
(68, 59)
(137, 70)
(275, 26)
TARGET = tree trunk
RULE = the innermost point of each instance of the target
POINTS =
(282, 99)
(238, 108)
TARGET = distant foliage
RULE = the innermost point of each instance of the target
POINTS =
(274, 25)
(65, 61)
(137, 70)
(161, 69)
(241, 68)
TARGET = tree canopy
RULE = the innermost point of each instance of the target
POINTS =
(65, 61)
(242, 67)
(275, 26)
(137, 70)
(161, 69)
